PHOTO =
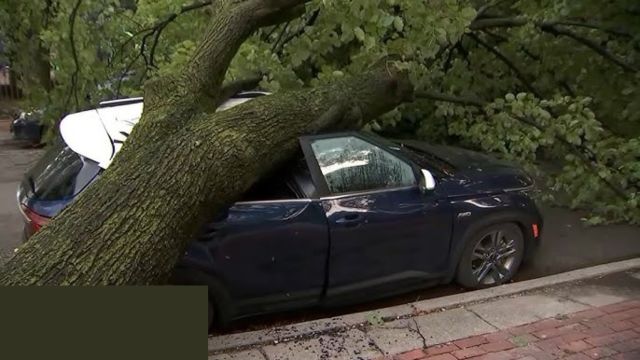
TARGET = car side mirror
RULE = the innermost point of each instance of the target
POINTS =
(427, 181)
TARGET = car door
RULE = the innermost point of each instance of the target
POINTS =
(269, 250)
(385, 234)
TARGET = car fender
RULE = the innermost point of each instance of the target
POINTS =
(466, 225)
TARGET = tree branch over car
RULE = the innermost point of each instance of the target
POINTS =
(135, 236)
(495, 79)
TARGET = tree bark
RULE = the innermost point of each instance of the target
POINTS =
(182, 164)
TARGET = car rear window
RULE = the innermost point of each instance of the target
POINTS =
(61, 173)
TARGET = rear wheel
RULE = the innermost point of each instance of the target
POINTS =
(491, 256)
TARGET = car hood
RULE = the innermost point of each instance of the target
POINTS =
(465, 172)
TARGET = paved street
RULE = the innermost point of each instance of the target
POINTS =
(567, 244)
(14, 161)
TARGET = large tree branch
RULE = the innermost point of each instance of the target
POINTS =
(198, 171)
(340, 104)
(231, 24)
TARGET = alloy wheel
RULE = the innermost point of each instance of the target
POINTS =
(494, 258)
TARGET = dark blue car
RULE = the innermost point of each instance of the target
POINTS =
(351, 218)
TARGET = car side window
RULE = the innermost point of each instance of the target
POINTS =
(283, 183)
(351, 164)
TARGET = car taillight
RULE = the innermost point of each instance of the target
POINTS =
(34, 219)
(535, 230)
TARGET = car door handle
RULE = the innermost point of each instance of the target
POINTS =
(349, 220)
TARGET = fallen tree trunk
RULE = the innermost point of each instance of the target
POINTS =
(183, 163)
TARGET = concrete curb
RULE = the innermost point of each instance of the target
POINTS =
(224, 343)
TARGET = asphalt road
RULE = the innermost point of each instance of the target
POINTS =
(14, 161)
(567, 243)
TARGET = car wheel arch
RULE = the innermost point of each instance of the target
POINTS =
(459, 238)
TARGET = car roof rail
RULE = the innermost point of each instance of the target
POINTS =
(119, 102)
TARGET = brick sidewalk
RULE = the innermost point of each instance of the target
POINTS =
(608, 332)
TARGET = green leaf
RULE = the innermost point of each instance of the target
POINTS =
(359, 33)
(386, 21)
(398, 23)
(468, 13)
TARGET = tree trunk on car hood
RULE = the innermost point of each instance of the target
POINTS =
(182, 164)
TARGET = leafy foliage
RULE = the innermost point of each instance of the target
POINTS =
(550, 84)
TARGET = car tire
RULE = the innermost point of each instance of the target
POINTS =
(491, 256)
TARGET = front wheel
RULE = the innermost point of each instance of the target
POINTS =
(491, 256)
